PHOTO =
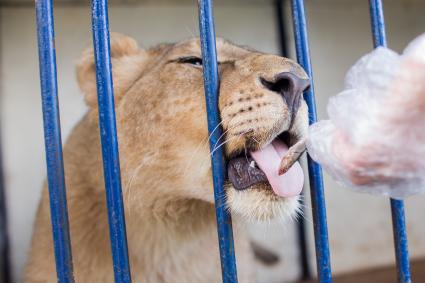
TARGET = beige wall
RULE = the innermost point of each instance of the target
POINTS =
(359, 225)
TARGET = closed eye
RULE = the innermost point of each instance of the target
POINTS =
(196, 61)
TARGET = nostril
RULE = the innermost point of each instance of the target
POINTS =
(280, 85)
(284, 84)
(290, 86)
(298, 84)
(287, 83)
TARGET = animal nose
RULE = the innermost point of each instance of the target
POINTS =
(290, 86)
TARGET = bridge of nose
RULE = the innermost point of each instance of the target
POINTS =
(280, 75)
(243, 78)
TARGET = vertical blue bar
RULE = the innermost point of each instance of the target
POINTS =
(109, 140)
(305, 274)
(397, 206)
(315, 171)
(53, 142)
(211, 84)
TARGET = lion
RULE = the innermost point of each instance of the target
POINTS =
(165, 161)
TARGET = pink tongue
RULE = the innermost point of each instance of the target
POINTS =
(268, 159)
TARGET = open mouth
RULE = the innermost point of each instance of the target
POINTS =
(263, 166)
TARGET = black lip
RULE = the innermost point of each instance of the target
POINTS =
(242, 175)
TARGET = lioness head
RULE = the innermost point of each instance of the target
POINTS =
(162, 124)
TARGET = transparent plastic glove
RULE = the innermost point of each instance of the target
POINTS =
(375, 139)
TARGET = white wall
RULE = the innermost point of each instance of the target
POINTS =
(359, 225)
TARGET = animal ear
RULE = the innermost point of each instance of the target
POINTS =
(127, 63)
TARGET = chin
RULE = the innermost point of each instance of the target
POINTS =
(259, 203)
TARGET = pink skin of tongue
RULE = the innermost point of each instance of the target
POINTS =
(268, 159)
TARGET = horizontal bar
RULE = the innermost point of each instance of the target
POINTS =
(109, 141)
(315, 171)
(53, 141)
(211, 85)
(397, 206)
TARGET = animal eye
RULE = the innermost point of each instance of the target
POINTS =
(190, 60)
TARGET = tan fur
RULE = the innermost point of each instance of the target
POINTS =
(165, 164)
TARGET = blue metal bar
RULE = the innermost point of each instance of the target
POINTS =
(315, 171)
(400, 241)
(109, 140)
(280, 7)
(53, 141)
(397, 206)
(211, 84)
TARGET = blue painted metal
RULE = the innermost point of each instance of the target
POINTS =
(109, 140)
(280, 7)
(315, 171)
(397, 206)
(378, 24)
(400, 241)
(211, 84)
(53, 141)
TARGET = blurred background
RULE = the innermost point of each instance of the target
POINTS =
(360, 230)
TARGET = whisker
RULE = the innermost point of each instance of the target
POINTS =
(223, 143)
(199, 146)
(223, 135)
(208, 157)
(246, 152)
(127, 188)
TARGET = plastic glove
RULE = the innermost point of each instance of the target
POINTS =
(375, 139)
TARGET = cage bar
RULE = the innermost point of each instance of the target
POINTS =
(397, 206)
(315, 171)
(305, 274)
(211, 85)
(53, 141)
(109, 141)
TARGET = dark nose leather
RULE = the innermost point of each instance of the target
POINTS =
(290, 86)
